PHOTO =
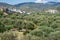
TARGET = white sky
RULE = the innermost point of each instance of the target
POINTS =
(44, 1)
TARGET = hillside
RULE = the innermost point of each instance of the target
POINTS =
(38, 26)
(30, 26)
(5, 5)
(31, 6)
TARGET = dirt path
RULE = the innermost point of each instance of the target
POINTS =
(20, 35)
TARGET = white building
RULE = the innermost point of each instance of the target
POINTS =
(51, 11)
(29, 13)
(15, 10)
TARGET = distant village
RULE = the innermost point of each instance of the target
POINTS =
(24, 12)
(52, 11)
(15, 10)
(18, 10)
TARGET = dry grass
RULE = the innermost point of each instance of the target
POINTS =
(20, 35)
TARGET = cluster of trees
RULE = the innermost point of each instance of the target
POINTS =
(44, 26)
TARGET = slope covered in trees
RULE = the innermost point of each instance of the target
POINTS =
(35, 26)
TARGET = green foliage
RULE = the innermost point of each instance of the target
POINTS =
(42, 31)
(26, 32)
(2, 27)
(9, 36)
(44, 26)
(30, 37)
(55, 35)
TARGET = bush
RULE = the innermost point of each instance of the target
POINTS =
(2, 27)
(26, 32)
(9, 36)
(42, 31)
(30, 37)
(55, 35)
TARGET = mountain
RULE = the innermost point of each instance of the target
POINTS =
(29, 4)
(5, 5)
(32, 6)
(51, 2)
(33, 3)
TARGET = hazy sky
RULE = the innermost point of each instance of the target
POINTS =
(21, 1)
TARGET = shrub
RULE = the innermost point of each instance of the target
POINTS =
(42, 31)
(55, 35)
(9, 36)
(30, 37)
(2, 27)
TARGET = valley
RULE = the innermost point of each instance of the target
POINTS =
(30, 21)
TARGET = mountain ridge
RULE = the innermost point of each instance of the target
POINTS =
(32, 6)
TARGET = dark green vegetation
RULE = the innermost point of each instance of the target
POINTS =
(35, 26)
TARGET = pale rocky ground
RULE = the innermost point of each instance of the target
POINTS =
(19, 35)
